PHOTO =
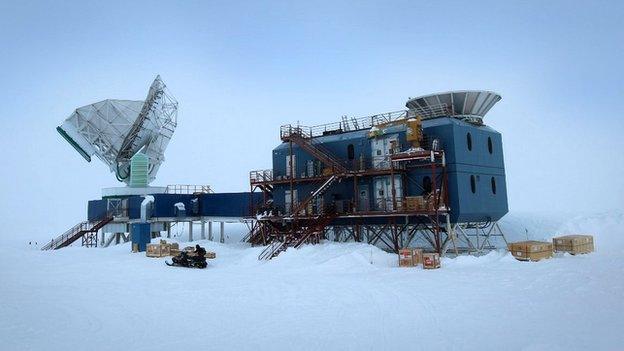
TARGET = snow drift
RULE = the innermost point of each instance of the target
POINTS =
(329, 296)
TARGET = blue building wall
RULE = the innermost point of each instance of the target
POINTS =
(235, 205)
(487, 202)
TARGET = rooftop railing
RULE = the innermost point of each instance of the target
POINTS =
(188, 189)
(349, 124)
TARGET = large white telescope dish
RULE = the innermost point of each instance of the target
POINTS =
(115, 130)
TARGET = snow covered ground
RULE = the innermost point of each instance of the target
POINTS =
(329, 296)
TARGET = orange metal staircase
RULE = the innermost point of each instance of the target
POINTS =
(318, 192)
(300, 237)
(76, 232)
(306, 142)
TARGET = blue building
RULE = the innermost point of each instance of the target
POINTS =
(435, 168)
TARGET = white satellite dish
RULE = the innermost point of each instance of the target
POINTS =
(116, 130)
(470, 105)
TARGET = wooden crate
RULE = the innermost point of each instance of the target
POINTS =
(415, 203)
(531, 250)
(417, 256)
(153, 250)
(431, 260)
(406, 258)
(165, 250)
(574, 244)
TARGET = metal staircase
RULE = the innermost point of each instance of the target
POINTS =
(318, 192)
(256, 235)
(300, 137)
(300, 237)
(76, 232)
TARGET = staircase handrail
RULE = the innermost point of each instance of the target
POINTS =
(314, 194)
(83, 226)
(270, 250)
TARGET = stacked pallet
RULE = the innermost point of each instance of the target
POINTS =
(413, 257)
(162, 249)
(531, 250)
(538, 250)
(415, 203)
(574, 244)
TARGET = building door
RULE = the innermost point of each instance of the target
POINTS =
(383, 192)
(293, 165)
(364, 201)
(382, 148)
(287, 201)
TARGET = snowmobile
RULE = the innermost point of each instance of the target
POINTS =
(193, 259)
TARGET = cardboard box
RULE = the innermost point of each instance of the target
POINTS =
(406, 258)
(153, 250)
(175, 246)
(410, 257)
(415, 203)
(165, 250)
(417, 256)
(431, 260)
(531, 250)
(574, 244)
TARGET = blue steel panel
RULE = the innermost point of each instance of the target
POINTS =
(140, 234)
(164, 204)
(228, 204)
(134, 207)
(96, 210)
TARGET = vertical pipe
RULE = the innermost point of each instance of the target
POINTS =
(210, 230)
(190, 230)
(436, 221)
(356, 195)
(221, 232)
(203, 229)
(292, 195)
(394, 202)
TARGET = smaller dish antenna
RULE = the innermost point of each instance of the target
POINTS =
(116, 130)
(471, 105)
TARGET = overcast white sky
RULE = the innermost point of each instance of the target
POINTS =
(240, 70)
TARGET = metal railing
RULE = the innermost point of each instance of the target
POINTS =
(346, 125)
(188, 189)
(71, 232)
(362, 164)
(270, 250)
(260, 176)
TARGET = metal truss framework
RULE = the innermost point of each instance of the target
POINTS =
(445, 238)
